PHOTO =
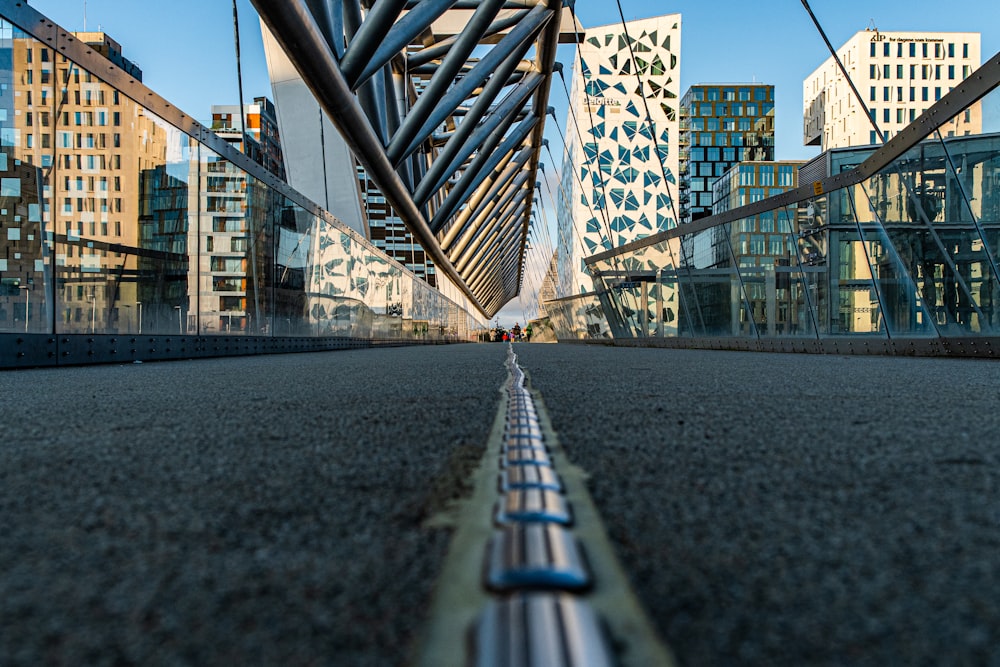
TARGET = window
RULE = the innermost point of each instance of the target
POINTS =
(872, 71)
(885, 93)
(913, 50)
(937, 71)
(871, 51)
(965, 50)
(937, 93)
(872, 139)
(923, 94)
(899, 93)
(886, 72)
(872, 96)
(951, 71)
(913, 94)
(951, 49)
(885, 49)
(886, 115)
(924, 50)
(899, 71)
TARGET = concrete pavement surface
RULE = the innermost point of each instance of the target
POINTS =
(239, 511)
(793, 509)
(770, 509)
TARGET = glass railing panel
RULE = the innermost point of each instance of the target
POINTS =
(234, 290)
(708, 296)
(578, 318)
(972, 198)
(798, 286)
(120, 210)
(27, 158)
(935, 248)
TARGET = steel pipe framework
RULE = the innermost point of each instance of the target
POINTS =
(437, 129)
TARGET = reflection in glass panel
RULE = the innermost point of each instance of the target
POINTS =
(931, 228)
(27, 140)
(120, 219)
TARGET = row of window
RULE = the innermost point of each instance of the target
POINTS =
(887, 95)
(926, 72)
(716, 124)
(939, 49)
(721, 109)
(742, 94)
(94, 205)
(80, 226)
(733, 139)
(97, 118)
(29, 100)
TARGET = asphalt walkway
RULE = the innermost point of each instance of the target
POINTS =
(770, 509)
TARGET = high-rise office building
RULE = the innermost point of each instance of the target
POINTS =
(619, 170)
(721, 124)
(899, 75)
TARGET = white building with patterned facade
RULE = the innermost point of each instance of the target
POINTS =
(619, 169)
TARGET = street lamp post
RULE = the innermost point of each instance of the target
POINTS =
(27, 305)
(93, 313)
(139, 303)
(180, 328)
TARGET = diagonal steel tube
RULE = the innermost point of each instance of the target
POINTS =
(404, 32)
(479, 171)
(409, 138)
(366, 40)
(329, 16)
(438, 50)
(294, 28)
(472, 241)
(469, 137)
(439, 84)
(499, 245)
(490, 232)
(499, 203)
(499, 178)
(494, 268)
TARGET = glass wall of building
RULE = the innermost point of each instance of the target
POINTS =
(115, 220)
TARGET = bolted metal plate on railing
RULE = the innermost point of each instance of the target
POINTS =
(540, 630)
(529, 476)
(535, 555)
(516, 456)
(533, 505)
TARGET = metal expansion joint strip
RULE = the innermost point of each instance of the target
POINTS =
(533, 563)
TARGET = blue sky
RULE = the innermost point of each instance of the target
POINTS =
(185, 47)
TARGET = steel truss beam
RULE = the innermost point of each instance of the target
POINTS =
(449, 139)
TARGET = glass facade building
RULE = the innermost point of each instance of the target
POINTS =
(721, 124)
(121, 216)
(892, 250)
